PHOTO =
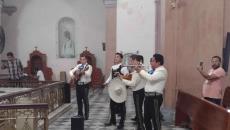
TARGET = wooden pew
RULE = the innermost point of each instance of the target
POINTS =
(200, 114)
(226, 98)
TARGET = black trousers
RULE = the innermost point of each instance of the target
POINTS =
(138, 98)
(152, 112)
(216, 101)
(117, 108)
(82, 92)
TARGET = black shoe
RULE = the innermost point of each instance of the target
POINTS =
(140, 128)
(120, 126)
(79, 115)
(86, 117)
(162, 117)
(134, 119)
(110, 123)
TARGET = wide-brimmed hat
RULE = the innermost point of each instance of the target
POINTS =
(117, 90)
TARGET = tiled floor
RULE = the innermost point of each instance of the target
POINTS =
(99, 114)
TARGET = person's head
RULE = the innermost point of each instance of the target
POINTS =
(156, 61)
(10, 56)
(67, 35)
(83, 59)
(216, 60)
(141, 58)
(131, 59)
(138, 60)
(36, 68)
(118, 58)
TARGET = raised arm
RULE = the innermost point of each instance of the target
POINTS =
(156, 76)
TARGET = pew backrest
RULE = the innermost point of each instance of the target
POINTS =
(226, 98)
(201, 114)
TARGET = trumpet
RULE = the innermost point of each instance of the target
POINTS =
(133, 65)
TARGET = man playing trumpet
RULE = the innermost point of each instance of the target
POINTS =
(155, 84)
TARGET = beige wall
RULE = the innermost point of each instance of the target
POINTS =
(111, 22)
(227, 16)
(193, 33)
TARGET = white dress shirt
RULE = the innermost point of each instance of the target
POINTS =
(40, 76)
(86, 78)
(156, 81)
(124, 71)
(137, 83)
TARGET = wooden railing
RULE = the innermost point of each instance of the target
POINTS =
(51, 93)
(200, 114)
(24, 116)
(23, 83)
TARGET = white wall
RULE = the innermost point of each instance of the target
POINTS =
(136, 27)
(36, 22)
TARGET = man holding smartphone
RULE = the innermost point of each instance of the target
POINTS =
(213, 85)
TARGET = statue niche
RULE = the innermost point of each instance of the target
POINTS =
(38, 61)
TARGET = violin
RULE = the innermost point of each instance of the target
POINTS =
(127, 77)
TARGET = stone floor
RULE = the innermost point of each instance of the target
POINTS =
(99, 114)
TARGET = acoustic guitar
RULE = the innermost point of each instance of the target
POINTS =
(77, 75)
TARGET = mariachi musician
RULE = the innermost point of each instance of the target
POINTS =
(117, 92)
(137, 84)
(81, 76)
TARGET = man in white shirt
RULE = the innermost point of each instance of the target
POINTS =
(137, 84)
(153, 91)
(40, 75)
(82, 76)
(117, 108)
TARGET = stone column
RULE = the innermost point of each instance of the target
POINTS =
(111, 25)
(1, 6)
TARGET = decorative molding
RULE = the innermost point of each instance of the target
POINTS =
(9, 10)
(173, 3)
(1, 3)
(6, 8)
(110, 3)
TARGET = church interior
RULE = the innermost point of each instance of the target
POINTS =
(53, 35)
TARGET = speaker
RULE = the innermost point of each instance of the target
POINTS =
(77, 123)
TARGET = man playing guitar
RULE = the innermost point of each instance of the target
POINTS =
(81, 76)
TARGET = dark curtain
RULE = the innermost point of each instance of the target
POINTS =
(226, 53)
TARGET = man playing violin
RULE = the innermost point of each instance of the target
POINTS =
(81, 75)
